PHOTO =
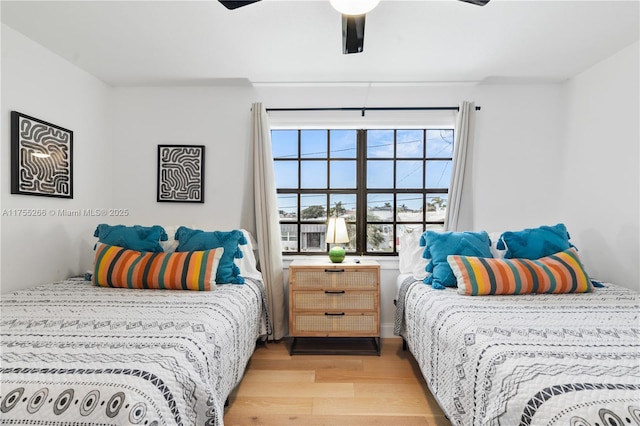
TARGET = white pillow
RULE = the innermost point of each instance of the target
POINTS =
(410, 256)
(495, 237)
(248, 264)
(171, 244)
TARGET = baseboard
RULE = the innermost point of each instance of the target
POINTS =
(386, 331)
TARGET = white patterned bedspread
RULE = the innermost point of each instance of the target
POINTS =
(564, 359)
(75, 354)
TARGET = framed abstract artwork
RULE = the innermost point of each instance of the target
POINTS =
(181, 173)
(41, 157)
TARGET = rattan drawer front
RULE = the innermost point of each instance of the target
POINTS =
(366, 279)
(309, 324)
(320, 300)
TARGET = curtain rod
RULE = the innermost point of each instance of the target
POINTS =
(364, 109)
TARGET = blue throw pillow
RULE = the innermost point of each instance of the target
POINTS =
(139, 238)
(534, 243)
(198, 240)
(439, 245)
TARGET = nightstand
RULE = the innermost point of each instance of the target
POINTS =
(334, 307)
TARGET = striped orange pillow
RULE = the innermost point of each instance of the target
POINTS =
(191, 270)
(561, 272)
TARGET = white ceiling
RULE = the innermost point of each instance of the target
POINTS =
(201, 42)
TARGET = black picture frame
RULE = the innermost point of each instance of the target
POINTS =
(181, 173)
(41, 157)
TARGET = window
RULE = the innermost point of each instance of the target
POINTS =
(383, 182)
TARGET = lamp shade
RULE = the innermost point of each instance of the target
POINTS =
(354, 7)
(337, 231)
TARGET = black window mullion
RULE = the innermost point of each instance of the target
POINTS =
(299, 192)
(328, 161)
(394, 204)
(424, 179)
(361, 192)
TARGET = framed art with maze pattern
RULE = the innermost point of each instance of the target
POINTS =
(181, 173)
(41, 157)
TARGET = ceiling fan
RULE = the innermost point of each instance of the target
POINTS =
(353, 18)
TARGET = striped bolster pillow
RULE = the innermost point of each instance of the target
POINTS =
(191, 270)
(561, 272)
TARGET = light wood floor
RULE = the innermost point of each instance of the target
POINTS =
(279, 389)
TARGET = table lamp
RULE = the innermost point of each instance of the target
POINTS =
(337, 234)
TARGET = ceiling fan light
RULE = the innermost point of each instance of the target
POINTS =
(354, 7)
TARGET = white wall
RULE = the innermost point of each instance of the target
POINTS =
(38, 83)
(516, 161)
(600, 180)
(217, 117)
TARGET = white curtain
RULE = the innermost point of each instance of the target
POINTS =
(460, 190)
(267, 219)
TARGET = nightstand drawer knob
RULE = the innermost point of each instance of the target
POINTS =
(341, 314)
(334, 270)
(334, 292)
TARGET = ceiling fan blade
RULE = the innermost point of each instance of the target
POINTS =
(236, 4)
(476, 2)
(352, 33)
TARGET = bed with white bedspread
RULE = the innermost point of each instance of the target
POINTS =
(536, 359)
(77, 354)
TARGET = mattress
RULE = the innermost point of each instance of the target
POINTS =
(73, 353)
(543, 359)
(401, 278)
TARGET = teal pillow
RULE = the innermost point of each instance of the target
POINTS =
(439, 245)
(198, 240)
(534, 243)
(139, 238)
